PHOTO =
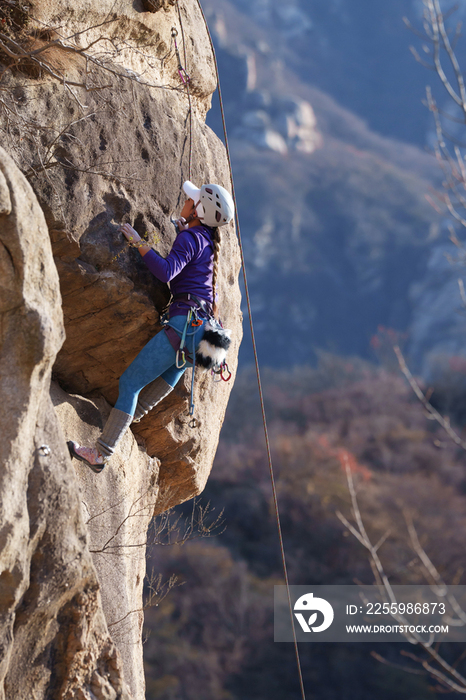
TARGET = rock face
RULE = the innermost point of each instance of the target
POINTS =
(107, 135)
(117, 511)
(117, 154)
(53, 634)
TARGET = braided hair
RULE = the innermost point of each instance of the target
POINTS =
(216, 241)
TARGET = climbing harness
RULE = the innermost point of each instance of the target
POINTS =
(256, 360)
(212, 348)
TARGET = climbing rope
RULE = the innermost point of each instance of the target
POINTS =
(256, 360)
(185, 78)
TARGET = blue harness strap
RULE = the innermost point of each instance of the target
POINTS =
(175, 342)
(179, 344)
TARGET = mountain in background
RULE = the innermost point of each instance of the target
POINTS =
(358, 53)
(321, 102)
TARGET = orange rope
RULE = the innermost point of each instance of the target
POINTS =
(256, 360)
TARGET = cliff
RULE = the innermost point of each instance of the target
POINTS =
(95, 115)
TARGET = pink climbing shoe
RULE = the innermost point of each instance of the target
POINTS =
(89, 455)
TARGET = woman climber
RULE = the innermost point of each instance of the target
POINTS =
(191, 268)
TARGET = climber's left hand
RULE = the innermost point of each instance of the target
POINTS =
(181, 224)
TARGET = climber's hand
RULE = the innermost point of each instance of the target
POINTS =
(130, 234)
(181, 224)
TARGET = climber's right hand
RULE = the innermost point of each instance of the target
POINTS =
(130, 234)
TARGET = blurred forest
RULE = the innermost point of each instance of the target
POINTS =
(212, 636)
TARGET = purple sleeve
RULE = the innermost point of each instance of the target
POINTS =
(183, 250)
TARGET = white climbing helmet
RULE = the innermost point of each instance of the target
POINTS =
(214, 203)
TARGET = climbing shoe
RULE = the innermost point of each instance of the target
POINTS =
(89, 455)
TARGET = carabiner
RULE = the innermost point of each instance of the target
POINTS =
(213, 376)
(183, 357)
(185, 77)
(196, 322)
(223, 368)
(174, 32)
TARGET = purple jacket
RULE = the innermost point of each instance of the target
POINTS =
(188, 267)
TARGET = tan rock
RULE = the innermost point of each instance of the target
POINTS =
(95, 159)
(117, 507)
(54, 640)
(138, 140)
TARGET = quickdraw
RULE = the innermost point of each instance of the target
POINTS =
(185, 79)
(181, 71)
(180, 351)
(183, 359)
(193, 422)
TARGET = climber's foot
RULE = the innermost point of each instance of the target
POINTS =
(89, 455)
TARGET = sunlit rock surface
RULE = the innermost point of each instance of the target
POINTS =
(54, 640)
(96, 159)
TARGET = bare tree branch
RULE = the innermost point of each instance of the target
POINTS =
(382, 660)
(433, 575)
(448, 676)
(432, 413)
(164, 530)
(157, 591)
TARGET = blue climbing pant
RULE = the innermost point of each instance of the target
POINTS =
(156, 359)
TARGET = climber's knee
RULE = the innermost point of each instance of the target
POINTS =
(172, 375)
